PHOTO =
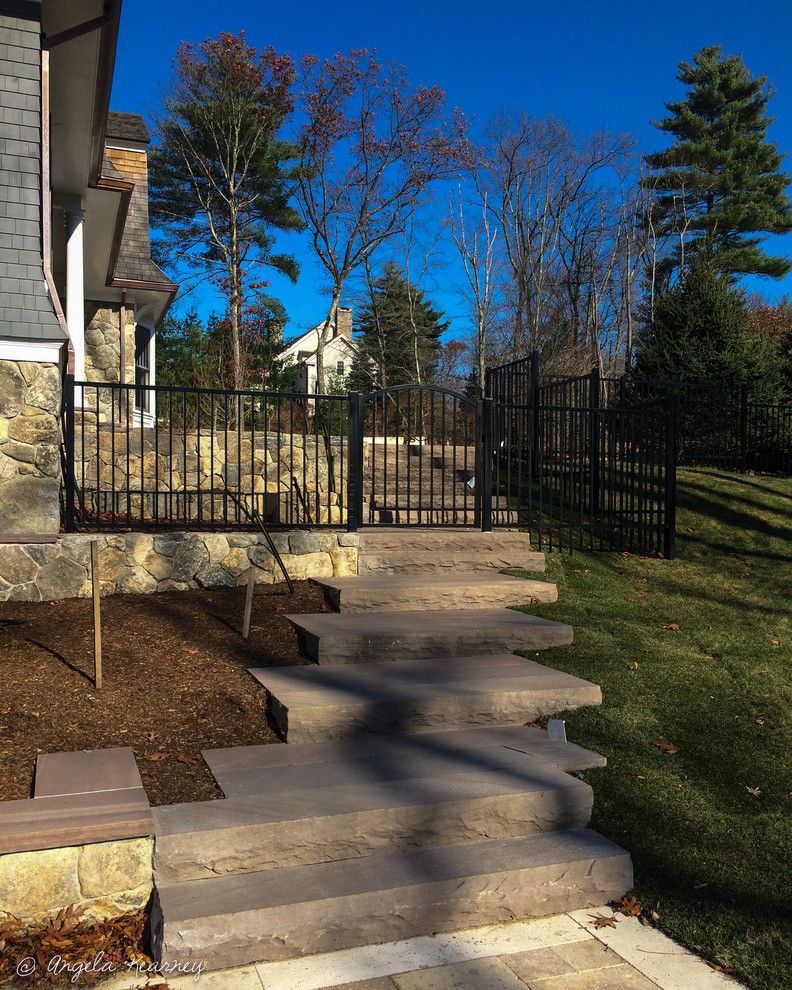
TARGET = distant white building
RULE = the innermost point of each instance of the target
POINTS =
(339, 352)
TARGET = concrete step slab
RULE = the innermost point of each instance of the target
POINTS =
(295, 911)
(311, 815)
(359, 638)
(457, 561)
(427, 592)
(309, 704)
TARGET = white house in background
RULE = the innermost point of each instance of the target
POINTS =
(339, 352)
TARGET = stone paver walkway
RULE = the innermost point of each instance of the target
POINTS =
(563, 952)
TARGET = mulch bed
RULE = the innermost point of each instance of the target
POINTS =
(175, 681)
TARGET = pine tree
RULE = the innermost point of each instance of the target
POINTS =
(401, 333)
(720, 186)
(701, 334)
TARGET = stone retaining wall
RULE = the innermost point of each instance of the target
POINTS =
(108, 879)
(30, 438)
(140, 563)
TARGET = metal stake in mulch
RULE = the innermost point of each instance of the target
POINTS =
(97, 614)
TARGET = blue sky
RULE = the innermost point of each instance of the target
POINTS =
(594, 63)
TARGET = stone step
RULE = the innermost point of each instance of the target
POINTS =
(317, 814)
(309, 704)
(368, 636)
(401, 539)
(438, 561)
(422, 592)
(450, 749)
(280, 914)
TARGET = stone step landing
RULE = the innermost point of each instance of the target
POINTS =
(428, 592)
(398, 636)
(370, 801)
(401, 539)
(470, 561)
(284, 913)
(309, 704)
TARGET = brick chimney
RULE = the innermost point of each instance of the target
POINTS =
(343, 323)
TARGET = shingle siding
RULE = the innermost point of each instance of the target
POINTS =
(25, 307)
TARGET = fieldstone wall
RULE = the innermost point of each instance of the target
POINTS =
(141, 563)
(103, 353)
(107, 878)
(176, 473)
(30, 438)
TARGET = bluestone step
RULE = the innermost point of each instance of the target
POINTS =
(401, 539)
(423, 592)
(331, 702)
(317, 814)
(448, 749)
(359, 638)
(280, 914)
(436, 561)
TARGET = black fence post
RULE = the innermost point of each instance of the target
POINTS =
(672, 442)
(485, 466)
(533, 402)
(68, 454)
(595, 389)
(744, 427)
(355, 466)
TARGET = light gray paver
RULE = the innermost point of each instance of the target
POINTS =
(477, 974)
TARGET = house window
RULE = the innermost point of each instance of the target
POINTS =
(340, 368)
(142, 368)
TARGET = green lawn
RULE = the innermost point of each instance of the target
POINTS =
(713, 859)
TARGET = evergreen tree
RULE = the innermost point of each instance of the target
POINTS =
(720, 186)
(701, 333)
(183, 352)
(401, 333)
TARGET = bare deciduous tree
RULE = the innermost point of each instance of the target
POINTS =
(370, 146)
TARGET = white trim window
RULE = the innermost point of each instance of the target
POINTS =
(145, 403)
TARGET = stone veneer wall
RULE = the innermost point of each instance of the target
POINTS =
(106, 878)
(140, 563)
(103, 351)
(30, 438)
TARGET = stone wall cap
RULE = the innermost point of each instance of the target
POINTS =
(74, 820)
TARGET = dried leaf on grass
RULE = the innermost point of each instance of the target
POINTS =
(667, 747)
(671, 626)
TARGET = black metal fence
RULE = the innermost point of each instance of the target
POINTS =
(576, 471)
(551, 457)
(157, 456)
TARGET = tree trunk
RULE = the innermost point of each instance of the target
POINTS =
(235, 313)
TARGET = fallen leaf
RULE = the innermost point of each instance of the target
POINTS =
(673, 626)
(186, 758)
(629, 599)
(775, 642)
(722, 969)
(641, 777)
(756, 791)
(151, 736)
(157, 757)
(600, 921)
(633, 665)
(667, 747)
(630, 906)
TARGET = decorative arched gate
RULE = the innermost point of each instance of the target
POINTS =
(421, 462)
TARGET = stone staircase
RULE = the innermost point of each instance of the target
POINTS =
(411, 797)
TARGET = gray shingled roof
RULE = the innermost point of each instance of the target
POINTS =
(127, 127)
